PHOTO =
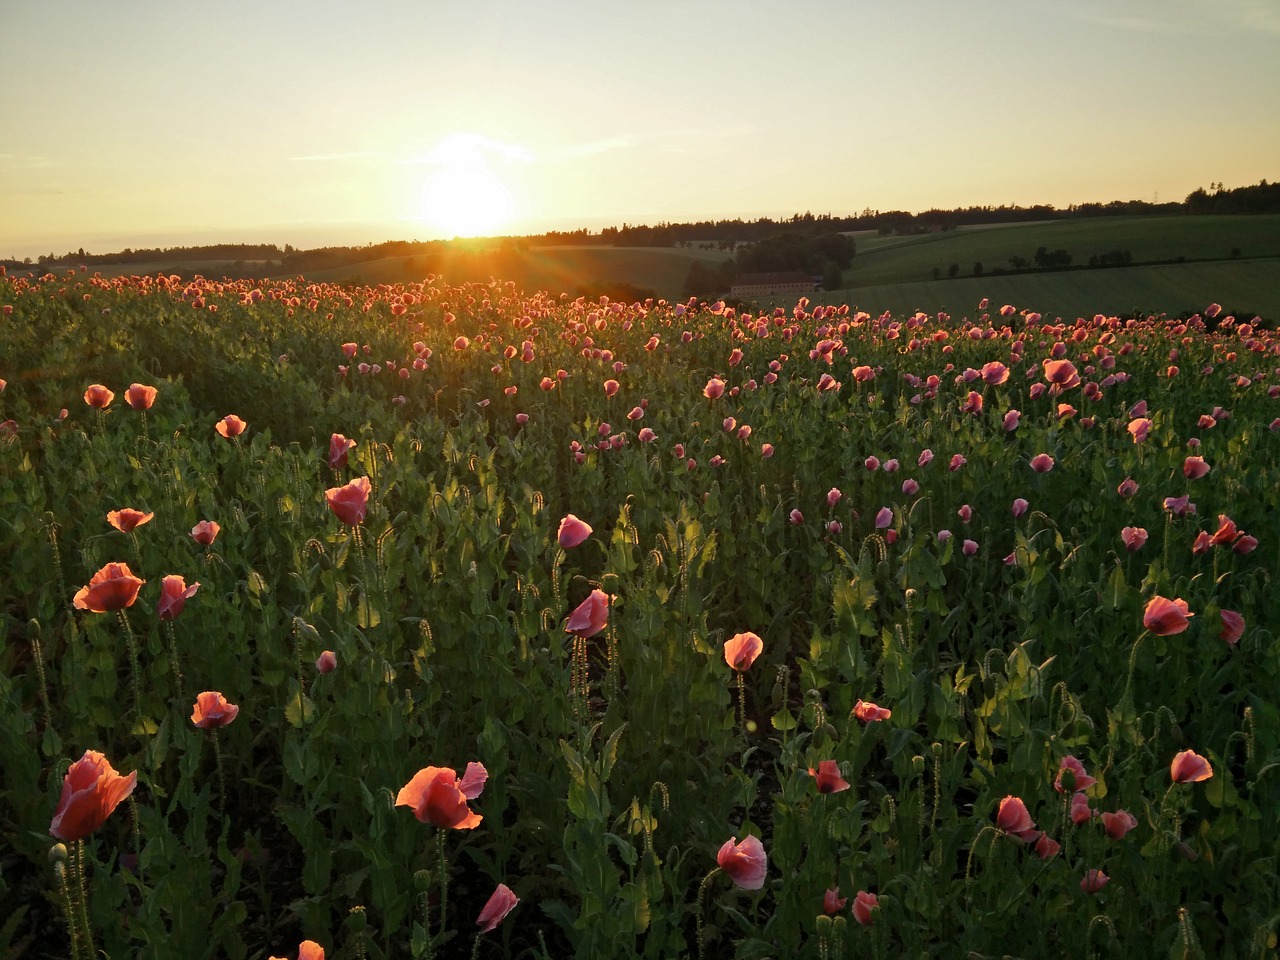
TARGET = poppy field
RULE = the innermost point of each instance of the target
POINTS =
(430, 620)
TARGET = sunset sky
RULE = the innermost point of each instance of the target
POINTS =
(159, 124)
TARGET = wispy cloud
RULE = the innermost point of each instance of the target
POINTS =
(471, 150)
(26, 161)
(1187, 18)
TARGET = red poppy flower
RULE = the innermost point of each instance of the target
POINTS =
(868, 712)
(1165, 617)
(1042, 463)
(1079, 779)
(864, 907)
(350, 502)
(91, 790)
(828, 777)
(438, 796)
(501, 902)
(339, 446)
(572, 532)
(1093, 881)
(230, 426)
(205, 532)
(212, 710)
(741, 650)
(128, 519)
(98, 397)
(140, 396)
(114, 587)
(1189, 767)
(1012, 817)
(1047, 847)
(832, 902)
(1226, 532)
(590, 616)
(746, 863)
(1193, 468)
(1119, 823)
(174, 593)
(1232, 626)
(714, 389)
(327, 662)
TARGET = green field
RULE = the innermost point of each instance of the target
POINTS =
(1243, 287)
(1148, 239)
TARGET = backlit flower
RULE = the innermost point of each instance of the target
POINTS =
(827, 777)
(113, 587)
(1117, 824)
(1093, 881)
(1189, 767)
(98, 396)
(230, 426)
(590, 616)
(745, 862)
(1134, 538)
(1080, 812)
(868, 712)
(572, 532)
(91, 790)
(1232, 626)
(1042, 463)
(140, 396)
(438, 796)
(864, 907)
(1139, 428)
(212, 710)
(501, 902)
(714, 389)
(741, 650)
(1193, 468)
(1165, 617)
(350, 502)
(205, 532)
(327, 662)
(1012, 818)
(832, 902)
(339, 447)
(174, 593)
(1019, 507)
(127, 520)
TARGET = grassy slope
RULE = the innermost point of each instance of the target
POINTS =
(1245, 286)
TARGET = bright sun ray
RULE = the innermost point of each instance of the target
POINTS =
(464, 198)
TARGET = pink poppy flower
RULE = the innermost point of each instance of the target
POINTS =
(1047, 847)
(140, 396)
(438, 796)
(827, 777)
(327, 662)
(972, 403)
(174, 594)
(1072, 776)
(833, 496)
(1189, 767)
(832, 902)
(1128, 487)
(957, 462)
(741, 650)
(1117, 824)
(1165, 617)
(1042, 463)
(884, 517)
(1139, 428)
(766, 450)
(1245, 543)
(969, 547)
(1193, 468)
(1020, 507)
(212, 710)
(98, 396)
(864, 907)
(910, 487)
(1061, 374)
(113, 587)
(127, 520)
(350, 502)
(994, 373)
(611, 388)
(1081, 812)
(1180, 506)
(230, 426)
(205, 532)
(590, 616)
(1012, 818)
(501, 902)
(339, 448)
(91, 790)
(1093, 881)
(745, 862)
(1232, 626)
(1226, 532)
(572, 532)
(1011, 420)
(868, 712)
(1134, 538)
(796, 517)
(714, 389)
(925, 458)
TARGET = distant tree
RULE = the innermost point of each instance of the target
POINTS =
(953, 270)
(937, 273)
(832, 276)
(977, 269)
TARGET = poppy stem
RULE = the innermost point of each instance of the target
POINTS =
(68, 905)
(1133, 660)
(77, 867)
(697, 910)
(444, 878)
(742, 704)
(222, 781)
(134, 669)
(173, 659)
(38, 656)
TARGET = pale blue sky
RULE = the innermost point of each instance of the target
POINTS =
(144, 123)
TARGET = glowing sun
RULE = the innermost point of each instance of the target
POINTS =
(463, 198)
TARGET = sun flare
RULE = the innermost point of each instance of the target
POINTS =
(465, 202)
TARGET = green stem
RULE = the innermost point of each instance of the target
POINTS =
(742, 704)
(69, 908)
(44, 683)
(77, 866)
(444, 879)
(697, 910)
(173, 660)
(134, 669)
(222, 780)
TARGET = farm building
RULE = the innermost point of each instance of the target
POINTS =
(773, 284)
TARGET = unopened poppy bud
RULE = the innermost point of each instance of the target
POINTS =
(422, 880)
(824, 926)
(936, 748)
(357, 920)
(58, 853)
(917, 764)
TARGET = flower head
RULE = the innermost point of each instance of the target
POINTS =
(868, 712)
(1165, 617)
(714, 389)
(864, 907)
(91, 790)
(327, 662)
(1078, 779)
(741, 650)
(140, 396)
(572, 532)
(205, 532)
(1012, 817)
(1189, 767)
(1232, 626)
(827, 777)
(832, 902)
(174, 594)
(98, 396)
(230, 426)
(339, 448)
(746, 863)
(438, 796)
(113, 587)
(212, 710)
(1118, 823)
(590, 616)
(1093, 881)
(127, 520)
(350, 502)
(501, 902)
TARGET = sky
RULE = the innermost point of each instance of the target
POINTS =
(139, 124)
